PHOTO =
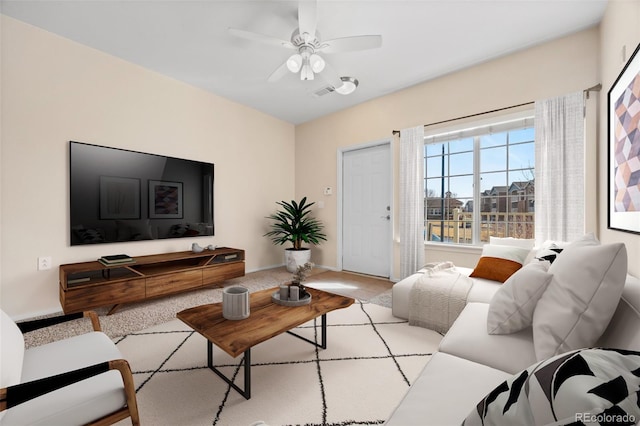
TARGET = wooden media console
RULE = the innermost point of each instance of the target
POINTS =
(90, 285)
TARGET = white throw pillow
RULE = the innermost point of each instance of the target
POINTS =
(581, 298)
(511, 308)
(516, 242)
(586, 240)
(513, 242)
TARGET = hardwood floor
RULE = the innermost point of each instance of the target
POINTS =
(349, 284)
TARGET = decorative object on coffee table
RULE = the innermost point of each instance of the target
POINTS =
(276, 298)
(235, 303)
(294, 294)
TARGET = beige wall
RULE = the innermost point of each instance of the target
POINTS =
(620, 28)
(55, 90)
(552, 69)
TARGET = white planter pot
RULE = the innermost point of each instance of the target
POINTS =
(295, 258)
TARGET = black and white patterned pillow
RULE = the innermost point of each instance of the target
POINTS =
(548, 253)
(587, 386)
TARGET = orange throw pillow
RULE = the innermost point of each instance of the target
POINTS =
(495, 268)
(499, 262)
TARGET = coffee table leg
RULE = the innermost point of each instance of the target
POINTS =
(324, 331)
(246, 392)
(323, 334)
(247, 374)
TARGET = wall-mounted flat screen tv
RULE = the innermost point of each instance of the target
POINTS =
(118, 195)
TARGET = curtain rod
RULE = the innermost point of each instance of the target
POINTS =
(595, 88)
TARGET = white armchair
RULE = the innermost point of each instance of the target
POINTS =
(75, 381)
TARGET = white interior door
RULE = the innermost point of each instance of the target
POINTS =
(366, 210)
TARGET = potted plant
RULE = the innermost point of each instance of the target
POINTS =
(294, 224)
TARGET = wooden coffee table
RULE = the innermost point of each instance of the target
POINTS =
(266, 320)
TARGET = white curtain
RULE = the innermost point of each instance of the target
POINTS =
(560, 168)
(411, 200)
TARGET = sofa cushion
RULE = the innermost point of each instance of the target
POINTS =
(400, 296)
(511, 308)
(581, 298)
(78, 403)
(571, 388)
(483, 290)
(468, 338)
(446, 384)
(499, 262)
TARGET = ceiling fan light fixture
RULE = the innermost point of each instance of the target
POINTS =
(349, 85)
(317, 63)
(294, 63)
(306, 73)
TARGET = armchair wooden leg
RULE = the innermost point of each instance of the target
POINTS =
(129, 388)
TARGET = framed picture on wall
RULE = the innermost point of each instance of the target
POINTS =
(119, 198)
(623, 103)
(165, 200)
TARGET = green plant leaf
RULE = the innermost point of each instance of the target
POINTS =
(295, 225)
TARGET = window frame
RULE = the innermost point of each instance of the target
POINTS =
(496, 124)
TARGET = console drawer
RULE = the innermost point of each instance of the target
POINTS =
(222, 272)
(173, 283)
(83, 298)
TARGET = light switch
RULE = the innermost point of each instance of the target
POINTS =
(328, 191)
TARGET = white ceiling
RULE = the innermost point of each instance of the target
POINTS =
(422, 39)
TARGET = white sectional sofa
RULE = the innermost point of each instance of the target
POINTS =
(470, 363)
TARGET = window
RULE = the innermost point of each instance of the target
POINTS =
(479, 182)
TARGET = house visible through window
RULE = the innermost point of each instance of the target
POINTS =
(479, 182)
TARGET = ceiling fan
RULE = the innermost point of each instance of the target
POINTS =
(308, 47)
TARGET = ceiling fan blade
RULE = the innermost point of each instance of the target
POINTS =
(280, 72)
(307, 18)
(350, 44)
(261, 38)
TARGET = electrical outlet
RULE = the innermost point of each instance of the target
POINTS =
(328, 191)
(44, 263)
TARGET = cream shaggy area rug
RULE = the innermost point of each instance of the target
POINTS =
(369, 364)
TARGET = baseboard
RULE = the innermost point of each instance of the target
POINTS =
(264, 268)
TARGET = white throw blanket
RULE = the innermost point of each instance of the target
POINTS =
(438, 296)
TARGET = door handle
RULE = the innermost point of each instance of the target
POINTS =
(388, 217)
